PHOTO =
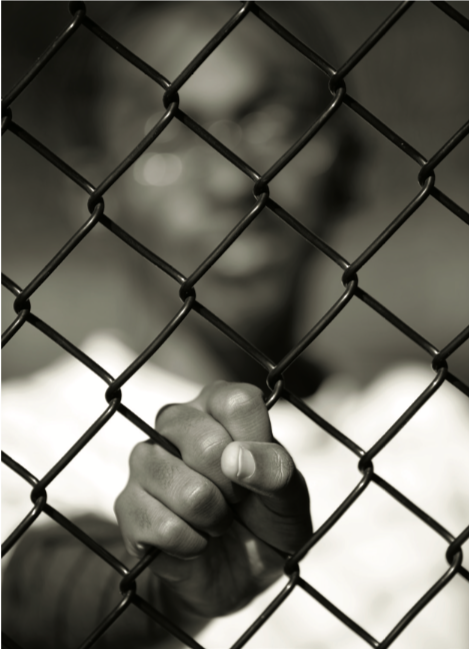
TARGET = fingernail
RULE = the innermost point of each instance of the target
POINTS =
(246, 464)
(141, 548)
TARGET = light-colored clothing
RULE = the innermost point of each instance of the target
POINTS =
(376, 562)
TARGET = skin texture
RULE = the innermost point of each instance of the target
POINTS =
(231, 472)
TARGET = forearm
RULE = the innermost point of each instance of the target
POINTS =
(56, 592)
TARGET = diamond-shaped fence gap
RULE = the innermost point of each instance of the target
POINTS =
(390, 185)
(34, 240)
(76, 378)
(410, 275)
(259, 38)
(294, 19)
(382, 548)
(299, 611)
(424, 478)
(328, 166)
(186, 239)
(103, 454)
(350, 40)
(171, 62)
(172, 355)
(28, 351)
(147, 625)
(267, 245)
(88, 310)
(118, 84)
(381, 188)
(139, 393)
(416, 75)
(448, 610)
(89, 572)
(356, 329)
(365, 423)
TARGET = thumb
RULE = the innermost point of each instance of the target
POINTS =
(263, 467)
(280, 512)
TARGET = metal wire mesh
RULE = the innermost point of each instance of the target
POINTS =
(274, 372)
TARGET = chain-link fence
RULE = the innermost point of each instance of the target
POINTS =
(173, 110)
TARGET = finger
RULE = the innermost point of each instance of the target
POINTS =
(201, 441)
(265, 468)
(172, 569)
(188, 494)
(239, 408)
(145, 521)
(280, 514)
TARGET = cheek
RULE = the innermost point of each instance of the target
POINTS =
(166, 210)
(166, 220)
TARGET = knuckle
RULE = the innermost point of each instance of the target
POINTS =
(179, 420)
(138, 457)
(141, 519)
(148, 464)
(170, 531)
(124, 506)
(243, 396)
(201, 498)
(132, 516)
(235, 399)
(168, 414)
(210, 448)
(175, 537)
(161, 473)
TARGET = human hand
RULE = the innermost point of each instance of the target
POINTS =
(231, 471)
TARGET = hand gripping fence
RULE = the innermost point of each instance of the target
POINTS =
(426, 172)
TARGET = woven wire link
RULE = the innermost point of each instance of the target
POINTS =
(276, 386)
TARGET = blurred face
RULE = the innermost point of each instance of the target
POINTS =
(181, 198)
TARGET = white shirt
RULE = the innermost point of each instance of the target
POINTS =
(374, 564)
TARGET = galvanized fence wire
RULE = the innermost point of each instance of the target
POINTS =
(275, 381)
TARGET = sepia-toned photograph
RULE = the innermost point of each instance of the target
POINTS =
(235, 325)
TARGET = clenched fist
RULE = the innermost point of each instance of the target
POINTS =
(210, 510)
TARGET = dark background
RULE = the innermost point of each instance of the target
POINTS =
(415, 80)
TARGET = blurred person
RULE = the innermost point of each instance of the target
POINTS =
(180, 198)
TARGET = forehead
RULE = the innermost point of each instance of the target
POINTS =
(251, 64)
